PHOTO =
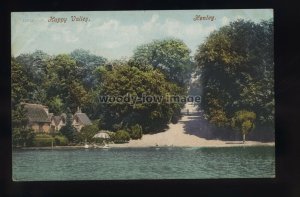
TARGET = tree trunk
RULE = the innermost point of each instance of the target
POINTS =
(244, 138)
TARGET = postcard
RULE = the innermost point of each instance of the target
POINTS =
(131, 95)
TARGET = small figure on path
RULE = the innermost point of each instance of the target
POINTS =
(187, 111)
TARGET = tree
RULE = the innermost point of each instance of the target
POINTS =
(87, 63)
(64, 82)
(136, 132)
(236, 72)
(170, 56)
(55, 105)
(20, 83)
(243, 121)
(88, 132)
(21, 134)
(68, 130)
(121, 136)
(34, 67)
(126, 80)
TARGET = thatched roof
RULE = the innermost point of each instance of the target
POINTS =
(57, 119)
(36, 113)
(83, 118)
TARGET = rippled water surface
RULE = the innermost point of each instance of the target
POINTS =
(144, 163)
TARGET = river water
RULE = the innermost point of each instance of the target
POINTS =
(143, 163)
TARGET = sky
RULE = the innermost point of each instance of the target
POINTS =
(115, 34)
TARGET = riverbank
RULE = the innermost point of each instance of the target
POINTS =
(130, 145)
(192, 130)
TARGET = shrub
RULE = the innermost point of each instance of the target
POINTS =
(136, 132)
(60, 141)
(243, 121)
(121, 136)
(44, 141)
(87, 133)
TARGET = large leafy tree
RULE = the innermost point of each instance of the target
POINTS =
(129, 80)
(21, 134)
(170, 56)
(87, 63)
(63, 83)
(21, 85)
(68, 130)
(34, 66)
(237, 68)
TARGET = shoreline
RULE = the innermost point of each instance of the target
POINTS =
(192, 131)
(126, 145)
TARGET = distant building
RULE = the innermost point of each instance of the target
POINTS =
(80, 120)
(57, 122)
(38, 117)
(40, 120)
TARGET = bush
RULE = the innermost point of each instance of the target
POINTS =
(46, 140)
(60, 141)
(87, 133)
(121, 136)
(136, 132)
(43, 141)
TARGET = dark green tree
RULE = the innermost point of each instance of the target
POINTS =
(121, 136)
(21, 134)
(87, 133)
(68, 130)
(170, 56)
(87, 63)
(136, 132)
(125, 80)
(237, 67)
(21, 85)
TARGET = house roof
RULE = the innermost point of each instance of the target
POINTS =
(36, 112)
(83, 118)
(56, 119)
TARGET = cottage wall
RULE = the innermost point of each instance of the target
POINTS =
(46, 127)
(35, 127)
(60, 125)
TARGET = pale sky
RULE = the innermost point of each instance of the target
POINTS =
(115, 34)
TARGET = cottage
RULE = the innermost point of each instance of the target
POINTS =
(57, 122)
(38, 117)
(40, 120)
(80, 120)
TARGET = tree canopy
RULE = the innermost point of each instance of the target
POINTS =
(237, 68)
(125, 80)
(170, 56)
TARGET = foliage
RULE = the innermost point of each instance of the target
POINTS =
(43, 139)
(87, 133)
(170, 56)
(21, 135)
(20, 83)
(87, 63)
(127, 80)
(236, 64)
(56, 105)
(121, 136)
(136, 132)
(68, 130)
(60, 140)
(243, 121)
